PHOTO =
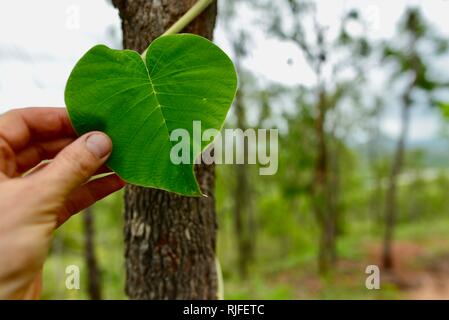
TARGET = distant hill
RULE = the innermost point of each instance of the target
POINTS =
(435, 151)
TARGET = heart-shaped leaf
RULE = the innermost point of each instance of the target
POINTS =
(138, 103)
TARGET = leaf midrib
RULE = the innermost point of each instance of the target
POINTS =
(159, 106)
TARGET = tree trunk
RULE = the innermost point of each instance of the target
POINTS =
(327, 249)
(323, 212)
(375, 211)
(334, 196)
(242, 216)
(169, 239)
(391, 196)
(93, 275)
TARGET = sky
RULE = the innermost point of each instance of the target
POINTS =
(40, 42)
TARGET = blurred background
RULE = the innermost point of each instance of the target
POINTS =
(359, 91)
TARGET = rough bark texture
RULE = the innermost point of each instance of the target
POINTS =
(93, 275)
(169, 239)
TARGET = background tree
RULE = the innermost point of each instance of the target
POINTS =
(170, 240)
(328, 58)
(412, 67)
(244, 222)
(93, 276)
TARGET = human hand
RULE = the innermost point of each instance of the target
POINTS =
(32, 206)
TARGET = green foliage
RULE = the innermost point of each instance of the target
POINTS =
(444, 108)
(415, 33)
(140, 102)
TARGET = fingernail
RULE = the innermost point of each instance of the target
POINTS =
(99, 144)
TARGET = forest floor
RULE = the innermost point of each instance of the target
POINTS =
(417, 274)
(425, 277)
(421, 271)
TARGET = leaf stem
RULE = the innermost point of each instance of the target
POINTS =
(188, 17)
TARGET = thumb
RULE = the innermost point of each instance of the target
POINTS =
(77, 162)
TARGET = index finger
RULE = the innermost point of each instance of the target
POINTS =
(21, 126)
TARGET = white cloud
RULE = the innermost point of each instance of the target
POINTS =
(39, 46)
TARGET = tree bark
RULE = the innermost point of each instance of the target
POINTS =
(169, 239)
(93, 275)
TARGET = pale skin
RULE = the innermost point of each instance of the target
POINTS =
(37, 198)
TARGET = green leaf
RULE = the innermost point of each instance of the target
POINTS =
(138, 103)
(444, 107)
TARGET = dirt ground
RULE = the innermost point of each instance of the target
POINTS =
(417, 275)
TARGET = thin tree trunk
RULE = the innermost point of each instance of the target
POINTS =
(376, 194)
(327, 253)
(169, 239)
(242, 218)
(391, 196)
(321, 191)
(252, 226)
(241, 230)
(396, 167)
(334, 199)
(93, 275)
